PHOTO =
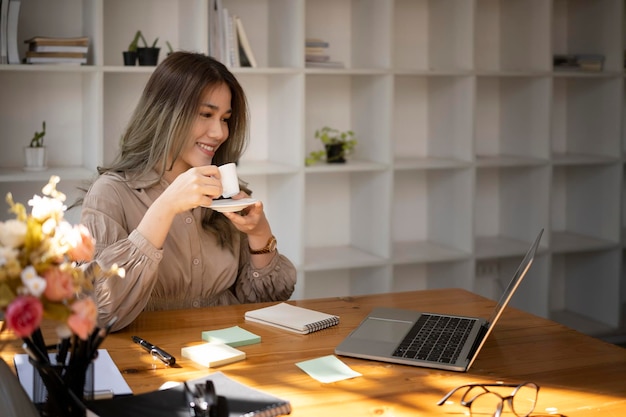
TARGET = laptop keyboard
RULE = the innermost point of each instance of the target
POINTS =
(435, 338)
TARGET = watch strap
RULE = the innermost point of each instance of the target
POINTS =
(269, 247)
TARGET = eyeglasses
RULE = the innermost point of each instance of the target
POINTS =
(483, 401)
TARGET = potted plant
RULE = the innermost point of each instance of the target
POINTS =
(337, 146)
(35, 152)
(148, 55)
(130, 56)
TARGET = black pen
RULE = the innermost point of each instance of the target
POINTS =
(165, 357)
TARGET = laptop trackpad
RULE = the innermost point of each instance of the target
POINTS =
(382, 330)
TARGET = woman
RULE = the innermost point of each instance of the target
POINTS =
(148, 210)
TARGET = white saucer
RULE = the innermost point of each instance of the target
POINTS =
(227, 205)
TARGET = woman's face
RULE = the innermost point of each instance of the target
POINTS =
(208, 132)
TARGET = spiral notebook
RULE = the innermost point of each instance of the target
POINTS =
(293, 318)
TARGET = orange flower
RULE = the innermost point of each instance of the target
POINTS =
(82, 321)
(82, 246)
(59, 284)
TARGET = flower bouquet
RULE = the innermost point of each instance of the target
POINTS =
(42, 276)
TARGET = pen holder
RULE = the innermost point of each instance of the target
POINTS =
(40, 391)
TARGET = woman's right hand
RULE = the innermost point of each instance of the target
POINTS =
(197, 186)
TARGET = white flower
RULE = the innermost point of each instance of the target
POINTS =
(35, 284)
(7, 255)
(12, 233)
(45, 207)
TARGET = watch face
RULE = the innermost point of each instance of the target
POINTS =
(272, 245)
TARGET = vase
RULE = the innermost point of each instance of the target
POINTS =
(35, 158)
(334, 153)
(14, 399)
(130, 58)
(61, 390)
(148, 56)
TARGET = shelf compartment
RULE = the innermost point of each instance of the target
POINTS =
(413, 277)
(353, 29)
(512, 119)
(578, 289)
(42, 18)
(573, 32)
(431, 215)
(585, 204)
(272, 99)
(361, 103)
(433, 35)
(337, 208)
(344, 282)
(281, 195)
(512, 35)
(71, 140)
(511, 206)
(494, 275)
(425, 252)
(433, 118)
(185, 19)
(586, 117)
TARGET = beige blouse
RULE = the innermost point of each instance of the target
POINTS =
(191, 270)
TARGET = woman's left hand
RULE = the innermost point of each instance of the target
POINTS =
(251, 220)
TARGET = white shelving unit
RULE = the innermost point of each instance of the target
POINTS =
(469, 142)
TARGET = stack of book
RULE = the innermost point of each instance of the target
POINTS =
(50, 50)
(578, 62)
(316, 54)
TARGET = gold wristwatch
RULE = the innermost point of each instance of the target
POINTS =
(269, 247)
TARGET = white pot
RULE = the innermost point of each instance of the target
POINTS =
(35, 159)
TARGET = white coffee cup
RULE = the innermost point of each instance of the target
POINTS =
(230, 181)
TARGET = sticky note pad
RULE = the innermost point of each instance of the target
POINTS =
(232, 336)
(212, 354)
(327, 369)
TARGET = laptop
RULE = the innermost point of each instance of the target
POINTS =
(431, 340)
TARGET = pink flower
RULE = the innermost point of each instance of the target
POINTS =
(24, 315)
(82, 321)
(83, 247)
(59, 284)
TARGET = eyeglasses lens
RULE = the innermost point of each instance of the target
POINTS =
(485, 404)
(525, 399)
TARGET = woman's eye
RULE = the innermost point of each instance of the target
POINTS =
(206, 115)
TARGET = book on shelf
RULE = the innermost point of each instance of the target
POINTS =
(13, 55)
(316, 54)
(316, 43)
(292, 318)
(54, 60)
(578, 62)
(33, 54)
(241, 400)
(55, 41)
(246, 56)
(58, 48)
(324, 64)
(4, 18)
(215, 29)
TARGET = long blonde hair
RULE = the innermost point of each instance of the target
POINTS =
(164, 116)
(168, 106)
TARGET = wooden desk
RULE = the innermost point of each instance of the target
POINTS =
(578, 375)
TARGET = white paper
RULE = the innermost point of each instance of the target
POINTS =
(107, 377)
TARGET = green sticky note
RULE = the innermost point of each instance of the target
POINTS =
(232, 336)
(327, 369)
